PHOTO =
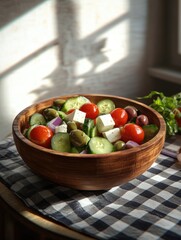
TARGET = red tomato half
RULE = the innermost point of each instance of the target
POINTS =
(119, 116)
(133, 132)
(90, 109)
(41, 135)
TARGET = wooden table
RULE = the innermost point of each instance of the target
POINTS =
(18, 222)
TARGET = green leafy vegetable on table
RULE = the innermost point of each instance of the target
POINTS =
(169, 107)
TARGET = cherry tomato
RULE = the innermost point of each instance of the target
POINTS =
(90, 109)
(178, 118)
(131, 131)
(120, 116)
(41, 135)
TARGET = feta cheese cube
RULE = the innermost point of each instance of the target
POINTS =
(104, 123)
(61, 128)
(77, 116)
(112, 135)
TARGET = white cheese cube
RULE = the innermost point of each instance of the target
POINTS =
(112, 135)
(104, 123)
(77, 116)
(61, 128)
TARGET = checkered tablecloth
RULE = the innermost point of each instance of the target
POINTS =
(146, 208)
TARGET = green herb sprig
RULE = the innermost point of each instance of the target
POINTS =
(167, 106)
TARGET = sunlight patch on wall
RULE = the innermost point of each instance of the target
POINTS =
(103, 34)
(26, 85)
(94, 17)
(27, 34)
(23, 85)
(82, 66)
(29, 54)
(117, 45)
(79, 81)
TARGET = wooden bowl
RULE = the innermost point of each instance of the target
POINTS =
(89, 171)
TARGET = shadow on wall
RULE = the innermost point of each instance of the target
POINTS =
(106, 60)
(78, 47)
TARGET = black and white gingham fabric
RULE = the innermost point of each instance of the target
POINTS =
(147, 208)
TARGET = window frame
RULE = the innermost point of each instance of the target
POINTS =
(173, 18)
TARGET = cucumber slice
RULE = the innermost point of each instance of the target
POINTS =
(88, 126)
(74, 103)
(61, 142)
(100, 145)
(29, 130)
(37, 118)
(105, 106)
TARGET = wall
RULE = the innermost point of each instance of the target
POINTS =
(56, 47)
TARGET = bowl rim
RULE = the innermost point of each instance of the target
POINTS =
(17, 132)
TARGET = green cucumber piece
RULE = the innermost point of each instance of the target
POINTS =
(99, 145)
(29, 130)
(88, 126)
(37, 119)
(105, 106)
(94, 132)
(74, 103)
(61, 142)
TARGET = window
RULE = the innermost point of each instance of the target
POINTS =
(174, 33)
(165, 41)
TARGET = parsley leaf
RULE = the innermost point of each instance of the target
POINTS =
(167, 106)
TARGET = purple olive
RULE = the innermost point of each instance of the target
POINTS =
(131, 111)
(142, 120)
